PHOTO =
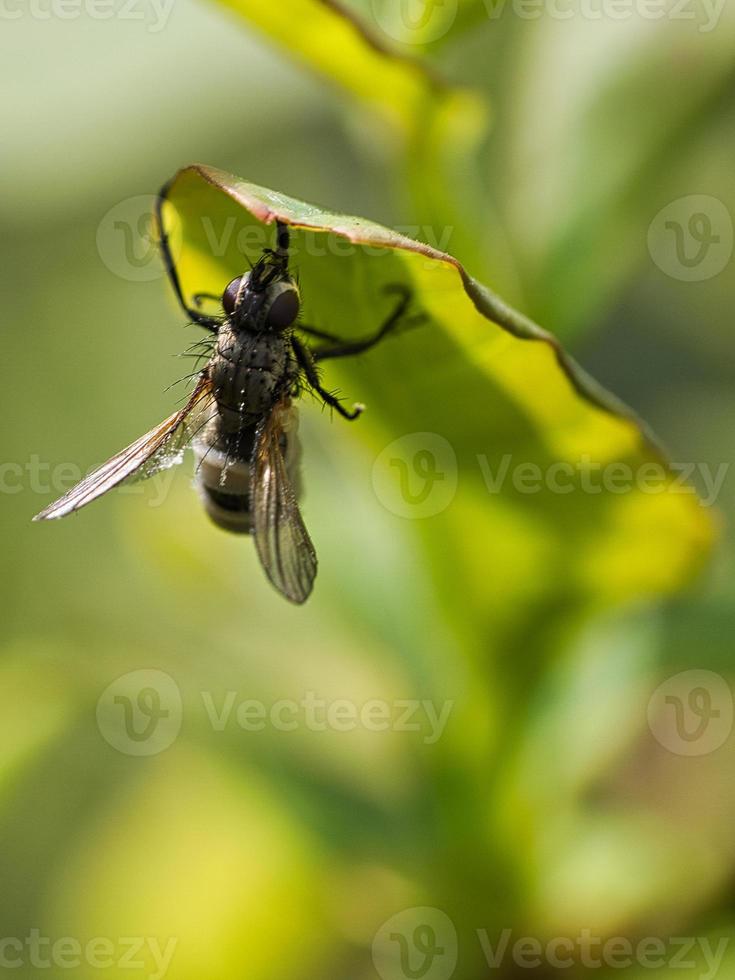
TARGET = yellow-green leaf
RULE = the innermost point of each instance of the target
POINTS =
(561, 495)
(334, 42)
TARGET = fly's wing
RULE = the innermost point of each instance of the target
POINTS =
(281, 539)
(156, 450)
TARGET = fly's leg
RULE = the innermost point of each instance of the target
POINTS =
(283, 244)
(199, 299)
(306, 363)
(321, 334)
(283, 240)
(347, 348)
(196, 316)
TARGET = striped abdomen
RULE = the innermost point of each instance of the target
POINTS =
(222, 473)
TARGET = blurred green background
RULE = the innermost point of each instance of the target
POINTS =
(551, 803)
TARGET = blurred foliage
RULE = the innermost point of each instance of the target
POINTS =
(547, 806)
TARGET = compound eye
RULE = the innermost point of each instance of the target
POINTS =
(284, 307)
(229, 297)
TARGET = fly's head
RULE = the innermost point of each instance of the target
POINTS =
(264, 299)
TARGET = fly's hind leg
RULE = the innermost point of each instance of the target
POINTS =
(200, 297)
(320, 334)
(306, 363)
(349, 348)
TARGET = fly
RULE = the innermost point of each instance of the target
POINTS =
(240, 418)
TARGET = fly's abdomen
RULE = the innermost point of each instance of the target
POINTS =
(223, 472)
(224, 487)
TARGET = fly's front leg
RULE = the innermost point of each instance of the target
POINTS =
(283, 240)
(347, 348)
(307, 365)
(196, 316)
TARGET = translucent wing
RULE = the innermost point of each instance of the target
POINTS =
(156, 450)
(281, 539)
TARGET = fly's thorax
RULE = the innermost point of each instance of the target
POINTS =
(249, 371)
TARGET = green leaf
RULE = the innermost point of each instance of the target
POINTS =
(496, 388)
(611, 159)
(331, 40)
(428, 119)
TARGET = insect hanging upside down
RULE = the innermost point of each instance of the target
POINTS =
(240, 419)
